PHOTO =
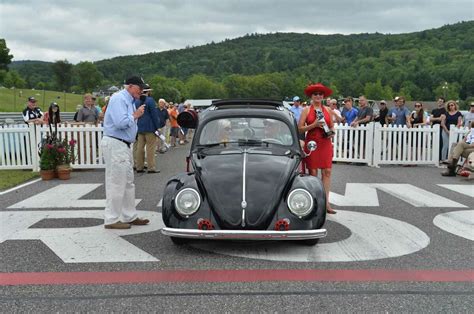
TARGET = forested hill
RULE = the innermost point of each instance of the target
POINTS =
(416, 63)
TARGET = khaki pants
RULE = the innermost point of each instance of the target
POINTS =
(119, 186)
(461, 149)
(148, 140)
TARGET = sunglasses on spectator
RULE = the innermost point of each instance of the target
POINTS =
(417, 106)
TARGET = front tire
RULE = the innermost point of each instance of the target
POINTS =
(179, 241)
(311, 242)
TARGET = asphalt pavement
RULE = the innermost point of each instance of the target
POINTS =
(402, 241)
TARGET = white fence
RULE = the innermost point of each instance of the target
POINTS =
(371, 144)
(19, 145)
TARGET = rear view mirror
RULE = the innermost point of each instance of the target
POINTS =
(188, 119)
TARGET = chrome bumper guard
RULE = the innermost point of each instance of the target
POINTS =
(245, 234)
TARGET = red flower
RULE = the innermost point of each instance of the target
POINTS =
(61, 150)
(72, 142)
(49, 146)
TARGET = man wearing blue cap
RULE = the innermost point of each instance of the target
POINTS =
(296, 108)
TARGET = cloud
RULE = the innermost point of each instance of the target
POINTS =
(93, 30)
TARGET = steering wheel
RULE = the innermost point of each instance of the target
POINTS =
(272, 140)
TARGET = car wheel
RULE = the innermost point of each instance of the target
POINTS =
(179, 241)
(311, 242)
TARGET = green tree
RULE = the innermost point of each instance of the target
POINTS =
(374, 90)
(5, 56)
(87, 75)
(201, 87)
(62, 70)
(449, 91)
(13, 79)
(5, 59)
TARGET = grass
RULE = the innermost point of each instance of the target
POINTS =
(15, 100)
(11, 178)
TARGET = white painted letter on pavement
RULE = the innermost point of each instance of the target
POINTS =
(79, 245)
(460, 223)
(372, 237)
(365, 195)
(64, 196)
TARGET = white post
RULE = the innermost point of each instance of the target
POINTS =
(435, 150)
(377, 144)
(35, 139)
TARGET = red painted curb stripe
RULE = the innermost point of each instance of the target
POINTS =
(253, 275)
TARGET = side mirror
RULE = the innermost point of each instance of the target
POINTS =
(188, 119)
(312, 146)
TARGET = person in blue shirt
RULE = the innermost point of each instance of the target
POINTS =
(120, 130)
(349, 113)
(147, 125)
(399, 115)
(297, 109)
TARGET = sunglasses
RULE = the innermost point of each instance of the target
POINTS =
(318, 94)
(417, 106)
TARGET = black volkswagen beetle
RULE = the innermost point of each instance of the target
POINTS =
(243, 179)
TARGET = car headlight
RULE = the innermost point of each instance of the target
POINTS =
(187, 202)
(300, 202)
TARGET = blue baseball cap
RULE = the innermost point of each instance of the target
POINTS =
(296, 98)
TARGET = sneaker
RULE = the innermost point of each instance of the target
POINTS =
(139, 222)
(118, 225)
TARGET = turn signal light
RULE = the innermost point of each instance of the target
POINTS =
(282, 225)
(205, 224)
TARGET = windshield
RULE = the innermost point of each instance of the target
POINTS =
(237, 129)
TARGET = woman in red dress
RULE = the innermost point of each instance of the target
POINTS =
(321, 158)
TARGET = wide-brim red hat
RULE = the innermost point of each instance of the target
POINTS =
(318, 87)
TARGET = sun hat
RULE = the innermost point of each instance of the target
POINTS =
(318, 87)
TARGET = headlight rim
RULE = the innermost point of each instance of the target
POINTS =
(187, 215)
(310, 209)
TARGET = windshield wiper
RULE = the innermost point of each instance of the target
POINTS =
(223, 143)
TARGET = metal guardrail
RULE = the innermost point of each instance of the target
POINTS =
(18, 118)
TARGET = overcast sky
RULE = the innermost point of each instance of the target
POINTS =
(91, 30)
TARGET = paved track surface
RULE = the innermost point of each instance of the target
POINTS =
(411, 264)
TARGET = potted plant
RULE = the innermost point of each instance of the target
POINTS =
(65, 156)
(48, 161)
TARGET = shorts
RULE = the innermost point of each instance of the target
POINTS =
(174, 131)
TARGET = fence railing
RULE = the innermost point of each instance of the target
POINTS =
(353, 144)
(371, 144)
(406, 146)
(17, 147)
(87, 137)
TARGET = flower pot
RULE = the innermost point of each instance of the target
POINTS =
(63, 172)
(47, 174)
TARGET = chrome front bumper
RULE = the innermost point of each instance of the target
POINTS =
(245, 234)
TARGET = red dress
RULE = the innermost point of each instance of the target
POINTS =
(321, 158)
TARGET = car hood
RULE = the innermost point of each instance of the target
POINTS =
(266, 178)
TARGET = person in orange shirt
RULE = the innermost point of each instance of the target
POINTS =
(174, 131)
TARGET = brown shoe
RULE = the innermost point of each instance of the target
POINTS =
(139, 222)
(118, 225)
